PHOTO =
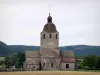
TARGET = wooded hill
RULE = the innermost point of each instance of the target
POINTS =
(80, 50)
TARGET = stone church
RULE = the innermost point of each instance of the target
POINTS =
(50, 57)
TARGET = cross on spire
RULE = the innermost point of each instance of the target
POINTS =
(49, 9)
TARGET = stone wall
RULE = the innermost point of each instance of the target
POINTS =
(32, 63)
(50, 63)
(47, 41)
(63, 66)
(33, 66)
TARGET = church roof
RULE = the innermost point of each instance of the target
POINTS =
(32, 61)
(32, 54)
(67, 54)
(49, 27)
(68, 59)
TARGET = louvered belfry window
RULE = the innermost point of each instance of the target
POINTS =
(50, 36)
(56, 36)
(44, 36)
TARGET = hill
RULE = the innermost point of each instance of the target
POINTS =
(3, 49)
(83, 50)
(80, 50)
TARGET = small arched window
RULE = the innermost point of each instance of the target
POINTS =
(50, 36)
(34, 67)
(67, 65)
(56, 36)
(44, 64)
(44, 36)
(51, 64)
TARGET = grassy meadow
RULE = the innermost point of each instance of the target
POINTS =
(2, 58)
(50, 73)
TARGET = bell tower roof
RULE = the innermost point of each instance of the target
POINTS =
(49, 27)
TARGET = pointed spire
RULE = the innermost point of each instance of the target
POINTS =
(49, 14)
(49, 19)
(49, 8)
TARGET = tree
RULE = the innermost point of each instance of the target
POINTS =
(16, 59)
(1, 62)
(89, 61)
(80, 64)
(20, 60)
(97, 64)
(2, 66)
(7, 62)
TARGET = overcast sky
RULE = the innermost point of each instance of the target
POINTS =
(78, 21)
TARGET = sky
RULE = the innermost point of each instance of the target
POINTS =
(78, 21)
